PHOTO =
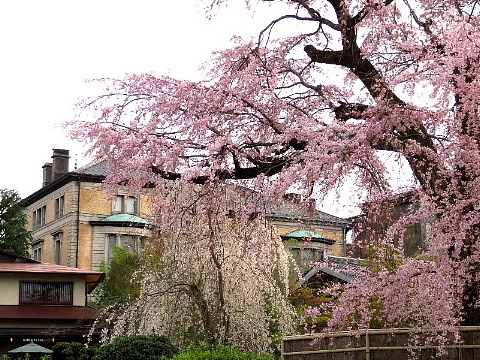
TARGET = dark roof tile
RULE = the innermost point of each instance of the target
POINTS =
(97, 168)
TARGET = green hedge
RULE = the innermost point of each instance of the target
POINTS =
(138, 347)
(220, 352)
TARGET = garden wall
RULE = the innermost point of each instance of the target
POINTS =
(385, 344)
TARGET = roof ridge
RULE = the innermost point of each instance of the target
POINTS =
(92, 163)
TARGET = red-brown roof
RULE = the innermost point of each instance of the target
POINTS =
(49, 312)
(92, 278)
(17, 267)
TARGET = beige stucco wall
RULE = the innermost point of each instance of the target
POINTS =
(10, 289)
(48, 254)
(29, 220)
(10, 286)
(96, 201)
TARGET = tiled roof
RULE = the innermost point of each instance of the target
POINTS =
(92, 278)
(343, 268)
(18, 267)
(97, 168)
(6, 256)
(290, 210)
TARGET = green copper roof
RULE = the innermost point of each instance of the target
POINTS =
(307, 235)
(304, 234)
(124, 218)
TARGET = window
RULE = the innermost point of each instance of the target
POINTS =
(129, 242)
(311, 254)
(125, 204)
(57, 239)
(135, 244)
(118, 205)
(59, 206)
(112, 241)
(39, 216)
(38, 250)
(131, 205)
(46, 293)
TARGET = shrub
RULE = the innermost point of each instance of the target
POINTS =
(72, 351)
(219, 352)
(137, 347)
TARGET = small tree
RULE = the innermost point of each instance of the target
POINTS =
(122, 283)
(14, 236)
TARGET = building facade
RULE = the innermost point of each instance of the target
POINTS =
(75, 223)
(42, 302)
(310, 235)
(377, 218)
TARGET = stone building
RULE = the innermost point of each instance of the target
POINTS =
(310, 235)
(377, 218)
(75, 223)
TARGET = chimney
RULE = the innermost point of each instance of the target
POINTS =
(60, 163)
(47, 174)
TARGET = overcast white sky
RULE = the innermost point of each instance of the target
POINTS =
(49, 48)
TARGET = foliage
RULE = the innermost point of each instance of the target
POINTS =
(122, 282)
(72, 351)
(304, 298)
(14, 236)
(214, 275)
(219, 352)
(353, 92)
(138, 347)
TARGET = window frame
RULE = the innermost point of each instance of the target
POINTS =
(37, 248)
(121, 204)
(112, 239)
(39, 217)
(59, 206)
(39, 292)
(57, 243)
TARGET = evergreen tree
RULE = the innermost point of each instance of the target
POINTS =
(14, 236)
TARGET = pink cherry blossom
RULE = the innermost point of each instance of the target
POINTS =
(351, 86)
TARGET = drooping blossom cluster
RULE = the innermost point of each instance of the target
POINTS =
(354, 89)
(213, 274)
